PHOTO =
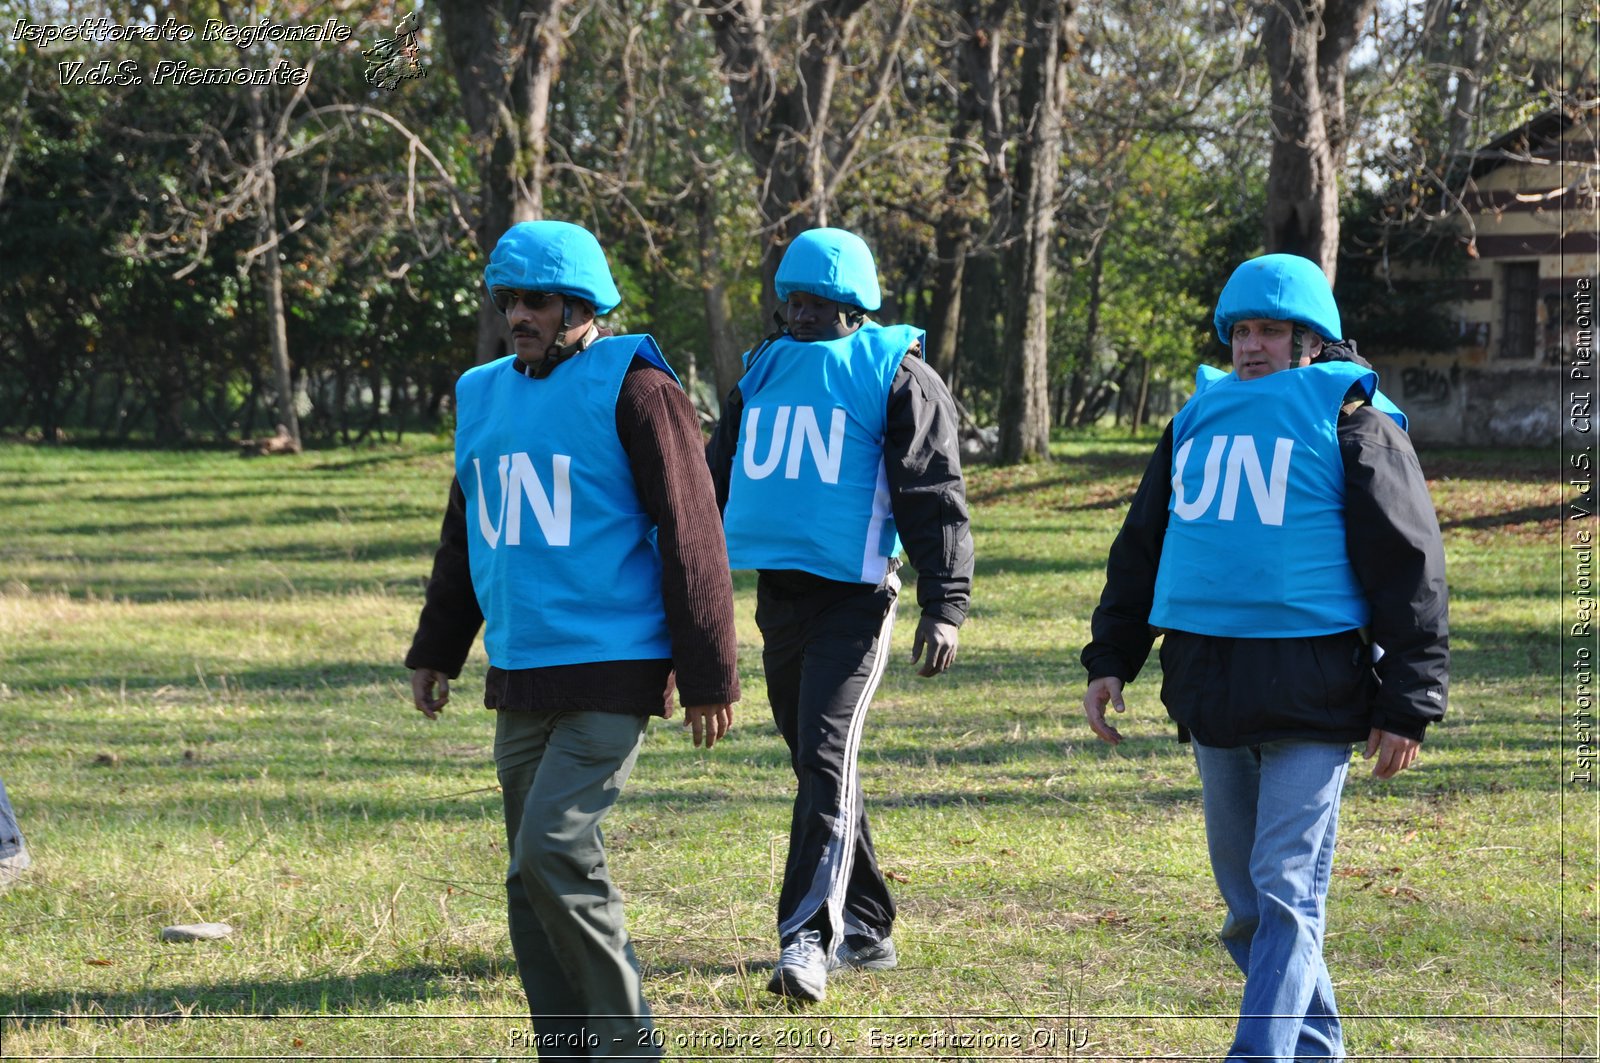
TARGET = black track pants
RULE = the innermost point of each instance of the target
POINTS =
(824, 656)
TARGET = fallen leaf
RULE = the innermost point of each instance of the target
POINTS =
(98, 962)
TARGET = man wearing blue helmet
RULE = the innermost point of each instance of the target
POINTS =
(583, 534)
(837, 443)
(1281, 534)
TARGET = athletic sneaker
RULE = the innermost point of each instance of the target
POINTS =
(802, 967)
(865, 954)
(13, 864)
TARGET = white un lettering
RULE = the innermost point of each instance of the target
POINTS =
(796, 427)
(518, 480)
(1269, 492)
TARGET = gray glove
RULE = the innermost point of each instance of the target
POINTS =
(940, 637)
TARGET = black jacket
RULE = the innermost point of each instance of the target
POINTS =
(1234, 691)
(922, 459)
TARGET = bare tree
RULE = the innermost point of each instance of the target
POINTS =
(1308, 45)
(1474, 63)
(720, 333)
(233, 178)
(229, 183)
(266, 206)
(1025, 399)
(963, 238)
(505, 91)
(802, 138)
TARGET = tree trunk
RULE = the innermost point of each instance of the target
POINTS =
(1341, 32)
(1469, 61)
(534, 71)
(1083, 373)
(787, 126)
(505, 92)
(272, 270)
(952, 239)
(944, 324)
(341, 401)
(721, 336)
(1308, 44)
(1144, 395)
(983, 100)
(782, 126)
(1025, 400)
(399, 404)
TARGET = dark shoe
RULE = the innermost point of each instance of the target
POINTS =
(802, 970)
(865, 954)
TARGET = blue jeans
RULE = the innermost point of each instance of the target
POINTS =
(1271, 814)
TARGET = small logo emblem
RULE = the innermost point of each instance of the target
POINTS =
(394, 59)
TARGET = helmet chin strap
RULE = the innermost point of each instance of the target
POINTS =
(849, 318)
(559, 351)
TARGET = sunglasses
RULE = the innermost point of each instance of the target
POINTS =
(505, 298)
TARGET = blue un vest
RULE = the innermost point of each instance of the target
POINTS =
(564, 558)
(1255, 542)
(808, 488)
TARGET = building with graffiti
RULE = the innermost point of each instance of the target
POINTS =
(1517, 275)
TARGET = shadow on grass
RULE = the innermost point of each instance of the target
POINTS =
(235, 802)
(264, 585)
(1100, 800)
(184, 525)
(1517, 465)
(1524, 515)
(992, 493)
(373, 549)
(321, 677)
(992, 485)
(998, 565)
(210, 493)
(319, 995)
(371, 461)
(667, 967)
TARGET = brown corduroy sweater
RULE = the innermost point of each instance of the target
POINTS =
(657, 428)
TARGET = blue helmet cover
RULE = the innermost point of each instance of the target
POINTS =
(1282, 288)
(832, 264)
(553, 256)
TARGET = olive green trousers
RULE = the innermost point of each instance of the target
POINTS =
(560, 773)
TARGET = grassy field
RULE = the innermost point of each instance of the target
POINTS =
(203, 716)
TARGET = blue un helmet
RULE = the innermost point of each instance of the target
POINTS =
(553, 256)
(1280, 287)
(831, 264)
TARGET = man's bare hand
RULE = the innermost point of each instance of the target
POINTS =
(708, 722)
(1106, 689)
(1395, 753)
(423, 682)
(940, 637)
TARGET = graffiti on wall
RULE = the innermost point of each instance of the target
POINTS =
(1421, 385)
